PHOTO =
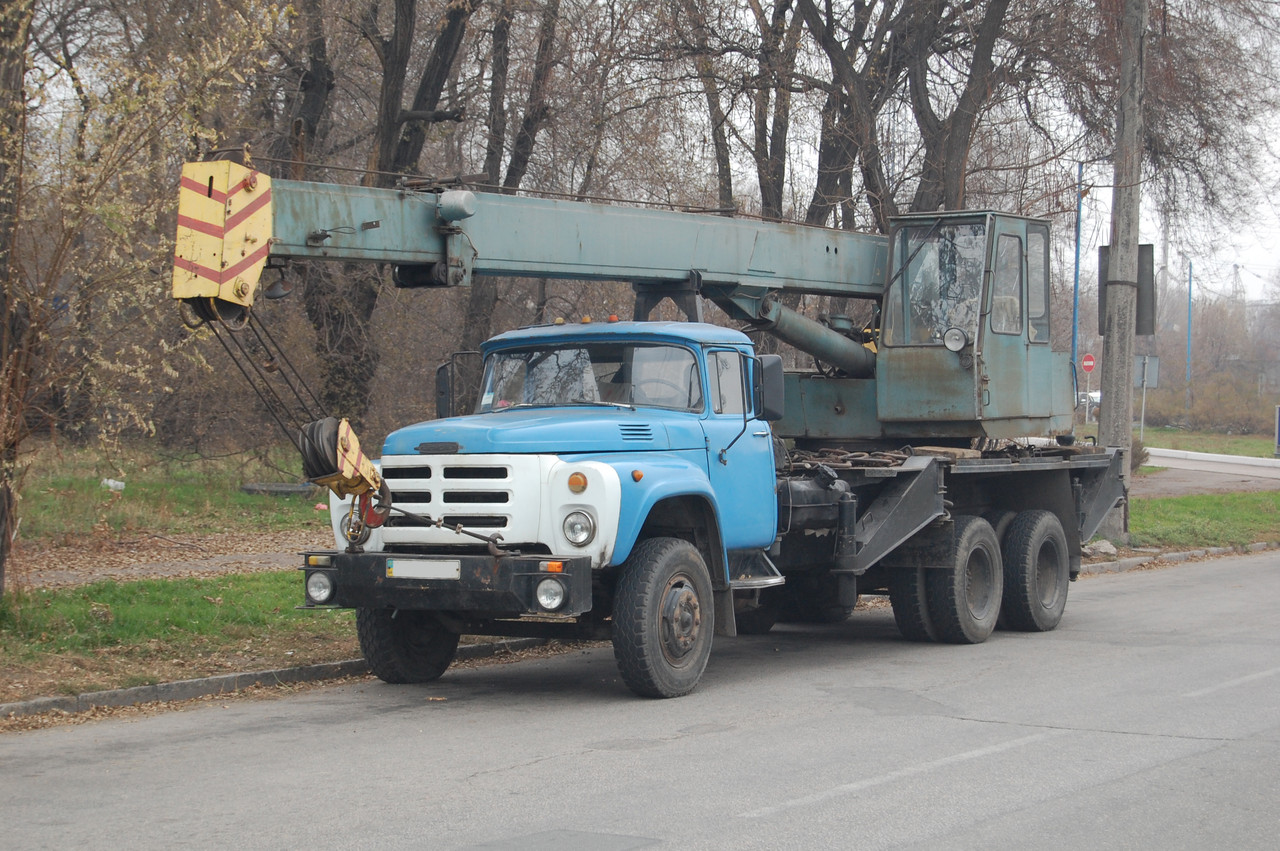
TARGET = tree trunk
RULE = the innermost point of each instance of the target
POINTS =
(865, 92)
(15, 23)
(483, 298)
(449, 34)
(947, 140)
(715, 111)
(501, 63)
(536, 110)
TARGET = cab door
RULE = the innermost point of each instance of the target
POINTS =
(739, 454)
(1003, 377)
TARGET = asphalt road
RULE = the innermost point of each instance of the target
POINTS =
(1150, 718)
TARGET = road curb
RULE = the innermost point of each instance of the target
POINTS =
(1121, 565)
(223, 683)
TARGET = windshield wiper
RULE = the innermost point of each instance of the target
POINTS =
(601, 404)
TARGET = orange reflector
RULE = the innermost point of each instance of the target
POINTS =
(553, 566)
(636, 475)
(613, 317)
(586, 320)
(577, 482)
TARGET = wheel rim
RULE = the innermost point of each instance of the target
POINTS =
(979, 583)
(681, 620)
(1048, 568)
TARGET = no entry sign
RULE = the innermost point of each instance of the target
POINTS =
(1087, 363)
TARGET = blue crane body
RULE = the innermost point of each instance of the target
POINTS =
(658, 483)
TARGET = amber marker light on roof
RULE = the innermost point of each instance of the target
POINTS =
(577, 482)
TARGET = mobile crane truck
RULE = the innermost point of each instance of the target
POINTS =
(658, 483)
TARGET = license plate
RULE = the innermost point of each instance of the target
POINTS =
(404, 568)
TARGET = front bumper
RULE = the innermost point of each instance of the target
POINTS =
(503, 586)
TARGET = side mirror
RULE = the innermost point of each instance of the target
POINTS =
(770, 403)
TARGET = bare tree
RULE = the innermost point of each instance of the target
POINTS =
(15, 23)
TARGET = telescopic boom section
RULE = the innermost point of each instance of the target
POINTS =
(233, 221)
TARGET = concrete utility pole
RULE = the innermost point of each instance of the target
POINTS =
(1115, 426)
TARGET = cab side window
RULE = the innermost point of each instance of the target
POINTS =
(728, 393)
(1038, 283)
(1006, 288)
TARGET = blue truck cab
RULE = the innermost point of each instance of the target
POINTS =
(595, 452)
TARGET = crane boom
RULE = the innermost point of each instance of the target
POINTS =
(234, 221)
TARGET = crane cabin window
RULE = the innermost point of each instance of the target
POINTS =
(1006, 286)
(937, 283)
(1038, 283)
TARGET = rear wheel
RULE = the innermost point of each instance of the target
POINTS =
(910, 600)
(964, 597)
(404, 646)
(663, 618)
(1036, 572)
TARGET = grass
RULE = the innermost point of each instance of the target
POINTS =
(63, 497)
(119, 634)
(1205, 520)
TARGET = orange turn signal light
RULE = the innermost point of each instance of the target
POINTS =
(636, 475)
(553, 566)
(577, 482)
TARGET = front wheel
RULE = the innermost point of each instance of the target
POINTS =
(663, 618)
(404, 646)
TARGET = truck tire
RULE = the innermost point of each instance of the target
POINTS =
(999, 518)
(403, 646)
(1036, 572)
(964, 597)
(663, 618)
(910, 601)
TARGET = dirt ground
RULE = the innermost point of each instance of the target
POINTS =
(1171, 482)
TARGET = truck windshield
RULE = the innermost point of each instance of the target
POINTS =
(938, 281)
(625, 375)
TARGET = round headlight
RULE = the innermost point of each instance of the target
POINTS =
(550, 594)
(319, 587)
(955, 339)
(579, 528)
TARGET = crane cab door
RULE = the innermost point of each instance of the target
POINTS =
(1002, 334)
(1016, 375)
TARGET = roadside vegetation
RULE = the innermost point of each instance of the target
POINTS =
(65, 499)
(120, 634)
(1205, 520)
